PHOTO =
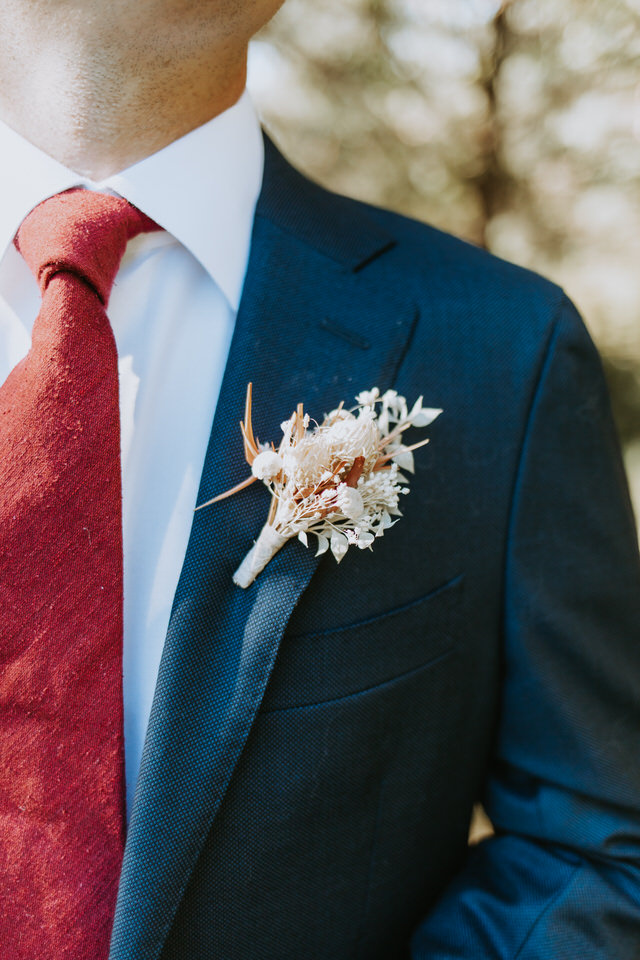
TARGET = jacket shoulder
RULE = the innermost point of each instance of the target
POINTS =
(464, 285)
(426, 250)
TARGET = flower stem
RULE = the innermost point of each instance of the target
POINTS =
(263, 550)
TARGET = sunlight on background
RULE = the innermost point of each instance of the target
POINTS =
(515, 125)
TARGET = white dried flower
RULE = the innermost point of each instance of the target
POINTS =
(338, 414)
(266, 465)
(368, 397)
(394, 404)
(349, 502)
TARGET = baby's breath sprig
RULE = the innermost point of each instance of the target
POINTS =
(339, 480)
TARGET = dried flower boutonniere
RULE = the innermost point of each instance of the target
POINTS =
(339, 480)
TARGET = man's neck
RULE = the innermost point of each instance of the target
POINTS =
(98, 100)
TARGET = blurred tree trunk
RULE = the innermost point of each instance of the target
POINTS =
(494, 183)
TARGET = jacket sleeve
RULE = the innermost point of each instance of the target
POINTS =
(561, 878)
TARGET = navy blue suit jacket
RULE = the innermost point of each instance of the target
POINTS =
(317, 742)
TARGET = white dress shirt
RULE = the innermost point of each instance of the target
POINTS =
(172, 310)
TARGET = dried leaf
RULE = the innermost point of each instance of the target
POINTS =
(426, 416)
(339, 545)
(365, 540)
(323, 545)
(404, 458)
(416, 408)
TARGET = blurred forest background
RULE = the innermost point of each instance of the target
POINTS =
(513, 124)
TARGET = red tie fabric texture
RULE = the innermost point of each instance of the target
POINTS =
(62, 790)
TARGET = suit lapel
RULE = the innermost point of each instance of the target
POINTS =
(310, 328)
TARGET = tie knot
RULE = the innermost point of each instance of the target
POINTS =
(80, 232)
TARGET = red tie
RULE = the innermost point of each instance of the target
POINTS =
(62, 800)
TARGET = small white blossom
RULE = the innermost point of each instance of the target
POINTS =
(338, 414)
(266, 465)
(287, 429)
(368, 397)
(395, 404)
(349, 502)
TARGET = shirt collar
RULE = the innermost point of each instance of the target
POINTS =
(202, 189)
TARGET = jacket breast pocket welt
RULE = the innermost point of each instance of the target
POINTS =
(319, 667)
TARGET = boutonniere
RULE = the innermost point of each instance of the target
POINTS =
(339, 480)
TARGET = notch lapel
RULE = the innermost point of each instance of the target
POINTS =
(310, 328)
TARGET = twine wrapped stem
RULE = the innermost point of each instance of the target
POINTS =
(263, 550)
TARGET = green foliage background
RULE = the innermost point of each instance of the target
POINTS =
(513, 124)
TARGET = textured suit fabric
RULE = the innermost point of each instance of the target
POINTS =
(317, 741)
